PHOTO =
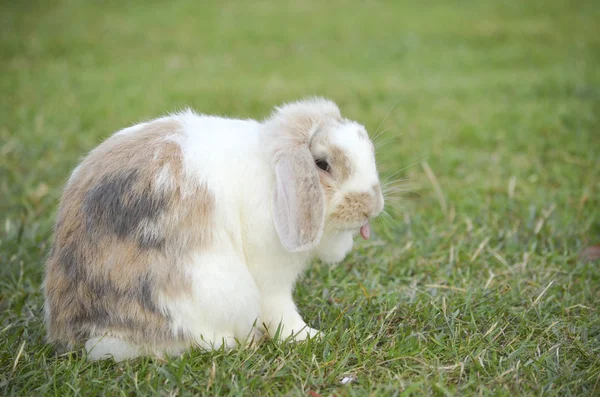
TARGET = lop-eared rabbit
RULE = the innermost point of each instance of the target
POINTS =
(191, 230)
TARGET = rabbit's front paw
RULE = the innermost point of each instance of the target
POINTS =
(298, 333)
(307, 333)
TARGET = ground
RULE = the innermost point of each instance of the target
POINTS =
(488, 112)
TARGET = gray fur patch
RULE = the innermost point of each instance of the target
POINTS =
(100, 317)
(145, 295)
(70, 262)
(102, 289)
(107, 291)
(115, 206)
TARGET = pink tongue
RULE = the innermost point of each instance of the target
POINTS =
(365, 231)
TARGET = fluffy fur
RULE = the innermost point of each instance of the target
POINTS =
(191, 230)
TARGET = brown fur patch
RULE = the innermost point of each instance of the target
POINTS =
(328, 185)
(354, 206)
(121, 238)
(340, 163)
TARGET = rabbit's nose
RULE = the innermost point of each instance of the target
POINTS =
(378, 200)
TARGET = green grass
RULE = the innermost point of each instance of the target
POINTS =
(474, 288)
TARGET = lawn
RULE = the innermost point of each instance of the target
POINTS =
(489, 116)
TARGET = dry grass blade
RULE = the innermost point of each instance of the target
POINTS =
(536, 301)
(436, 186)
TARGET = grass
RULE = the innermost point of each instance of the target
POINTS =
(489, 108)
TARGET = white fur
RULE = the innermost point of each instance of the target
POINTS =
(132, 129)
(247, 277)
(225, 301)
(138, 127)
(74, 174)
(164, 179)
(104, 347)
(334, 246)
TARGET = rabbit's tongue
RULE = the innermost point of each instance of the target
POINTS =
(365, 231)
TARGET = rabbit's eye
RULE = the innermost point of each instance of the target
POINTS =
(322, 164)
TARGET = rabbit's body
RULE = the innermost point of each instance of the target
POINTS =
(166, 237)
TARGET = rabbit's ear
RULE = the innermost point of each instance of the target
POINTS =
(298, 200)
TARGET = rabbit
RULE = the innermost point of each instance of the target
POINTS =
(190, 230)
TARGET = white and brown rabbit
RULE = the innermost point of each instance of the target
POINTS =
(191, 230)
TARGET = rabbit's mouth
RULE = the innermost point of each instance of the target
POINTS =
(365, 230)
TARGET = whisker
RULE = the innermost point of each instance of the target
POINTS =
(386, 180)
(388, 208)
(386, 214)
(391, 190)
(399, 179)
(380, 138)
(378, 144)
(402, 169)
(383, 221)
(383, 121)
(390, 196)
(397, 183)
(393, 203)
(398, 187)
(401, 194)
(394, 191)
(389, 218)
(394, 200)
(376, 137)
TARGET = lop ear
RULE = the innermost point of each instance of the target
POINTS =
(298, 200)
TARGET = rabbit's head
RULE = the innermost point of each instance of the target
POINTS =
(325, 171)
